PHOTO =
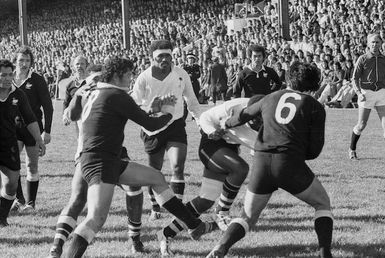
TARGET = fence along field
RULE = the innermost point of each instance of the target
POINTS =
(357, 191)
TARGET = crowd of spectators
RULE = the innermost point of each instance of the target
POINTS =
(331, 34)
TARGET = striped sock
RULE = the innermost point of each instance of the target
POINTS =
(177, 187)
(64, 226)
(229, 192)
(134, 228)
(155, 205)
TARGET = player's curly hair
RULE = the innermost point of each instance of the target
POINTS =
(25, 50)
(6, 63)
(304, 77)
(160, 44)
(257, 48)
(116, 65)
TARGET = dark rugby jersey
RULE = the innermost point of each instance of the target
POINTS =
(38, 95)
(11, 108)
(293, 122)
(256, 83)
(104, 116)
(71, 88)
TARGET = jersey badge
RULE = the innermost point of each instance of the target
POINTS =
(15, 101)
(28, 86)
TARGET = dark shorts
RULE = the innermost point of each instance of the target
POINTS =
(175, 132)
(208, 147)
(271, 171)
(9, 154)
(26, 137)
(101, 167)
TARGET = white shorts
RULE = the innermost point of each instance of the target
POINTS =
(372, 99)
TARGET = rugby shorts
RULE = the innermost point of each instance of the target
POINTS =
(26, 137)
(372, 99)
(9, 154)
(208, 147)
(175, 132)
(271, 171)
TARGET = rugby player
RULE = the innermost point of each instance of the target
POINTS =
(14, 108)
(36, 89)
(224, 170)
(369, 85)
(293, 132)
(104, 116)
(162, 78)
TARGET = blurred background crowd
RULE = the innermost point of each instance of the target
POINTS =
(331, 35)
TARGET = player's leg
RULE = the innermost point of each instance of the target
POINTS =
(99, 199)
(134, 205)
(68, 216)
(381, 115)
(259, 191)
(363, 116)
(297, 178)
(177, 152)
(32, 181)
(138, 175)
(155, 160)
(8, 192)
(316, 196)
(19, 202)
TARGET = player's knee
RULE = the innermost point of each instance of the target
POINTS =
(242, 170)
(210, 189)
(359, 127)
(322, 202)
(205, 204)
(32, 177)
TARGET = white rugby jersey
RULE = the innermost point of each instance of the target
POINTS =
(177, 83)
(210, 120)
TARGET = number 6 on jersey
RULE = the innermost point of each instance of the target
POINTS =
(282, 104)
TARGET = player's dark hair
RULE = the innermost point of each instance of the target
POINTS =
(25, 51)
(304, 77)
(116, 65)
(160, 44)
(6, 63)
(257, 48)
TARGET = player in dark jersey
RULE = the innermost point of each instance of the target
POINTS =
(36, 89)
(292, 132)
(14, 107)
(103, 119)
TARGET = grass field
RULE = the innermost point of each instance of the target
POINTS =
(357, 192)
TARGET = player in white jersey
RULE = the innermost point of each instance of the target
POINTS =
(224, 170)
(160, 79)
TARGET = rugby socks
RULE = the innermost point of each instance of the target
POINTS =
(226, 199)
(6, 202)
(176, 226)
(19, 192)
(172, 204)
(177, 187)
(64, 226)
(155, 205)
(355, 137)
(323, 226)
(134, 205)
(82, 237)
(32, 187)
(235, 232)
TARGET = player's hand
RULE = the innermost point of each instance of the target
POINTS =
(65, 118)
(41, 146)
(169, 99)
(155, 105)
(46, 137)
(217, 134)
(361, 97)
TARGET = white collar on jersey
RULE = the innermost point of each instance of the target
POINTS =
(104, 85)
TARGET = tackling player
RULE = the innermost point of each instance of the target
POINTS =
(293, 132)
(103, 119)
(224, 169)
(14, 107)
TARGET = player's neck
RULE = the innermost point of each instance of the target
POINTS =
(160, 73)
(21, 75)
